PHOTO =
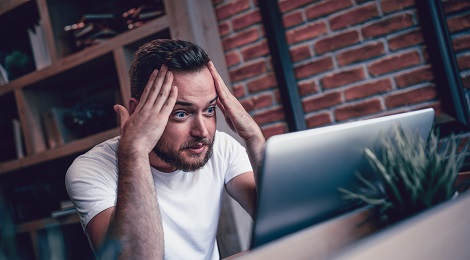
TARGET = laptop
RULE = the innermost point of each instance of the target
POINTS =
(301, 171)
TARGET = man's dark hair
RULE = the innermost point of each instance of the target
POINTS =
(178, 55)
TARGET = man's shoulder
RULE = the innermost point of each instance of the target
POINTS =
(102, 153)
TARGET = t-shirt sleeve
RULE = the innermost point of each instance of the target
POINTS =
(237, 158)
(91, 183)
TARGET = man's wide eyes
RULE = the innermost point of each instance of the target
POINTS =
(180, 114)
(211, 110)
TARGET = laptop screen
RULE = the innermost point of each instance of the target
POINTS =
(302, 171)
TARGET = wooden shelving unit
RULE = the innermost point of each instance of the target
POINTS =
(70, 77)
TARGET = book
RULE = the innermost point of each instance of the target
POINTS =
(37, 39)
(66, 204)
(17, 136)
(63, 212)
(3, 76)
(56, 132)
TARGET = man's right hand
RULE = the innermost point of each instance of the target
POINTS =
(143, 126)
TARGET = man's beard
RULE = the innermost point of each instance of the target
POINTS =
(175, 159)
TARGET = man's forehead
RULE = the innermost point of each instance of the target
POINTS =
(195, 85)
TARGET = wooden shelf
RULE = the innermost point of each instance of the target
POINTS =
(64, 150)
(88, 54)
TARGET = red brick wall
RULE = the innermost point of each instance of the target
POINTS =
(352, 58)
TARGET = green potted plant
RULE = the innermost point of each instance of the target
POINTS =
(413, 175)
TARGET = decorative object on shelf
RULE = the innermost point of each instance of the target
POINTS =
(17, 64)
(91, 115)
(110, 18)
(412, 175)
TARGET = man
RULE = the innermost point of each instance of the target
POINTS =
(155, 191)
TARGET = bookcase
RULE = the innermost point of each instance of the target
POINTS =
(46, 102)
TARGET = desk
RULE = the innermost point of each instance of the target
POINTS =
(442, 232)
(319, 241)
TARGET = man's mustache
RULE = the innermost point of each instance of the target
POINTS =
(194, 143)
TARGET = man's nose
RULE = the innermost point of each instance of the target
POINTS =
(199, 128)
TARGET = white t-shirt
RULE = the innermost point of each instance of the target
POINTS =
(189, 201)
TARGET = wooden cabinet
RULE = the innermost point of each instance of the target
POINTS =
(56, 104)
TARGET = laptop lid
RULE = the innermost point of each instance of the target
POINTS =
(301, 172)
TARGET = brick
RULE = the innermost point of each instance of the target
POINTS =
(389, 6)
(248, 104)
(314, 68)
(238, 91)
(452, 6)
(363, 1)
(459, 23)
(263, 100)
(360, 54)
(336, 42)
(307, 88)
(248, 71)
(275, 129)
(322, 101)
(246, 20)
(254, 51)
(299, 53)
(231, 8)
(265, 82)
(464, 62)
(287, 5)
(232, 58)
(306, 32)
(318, 120)
(355, 16)
(411, 97)
(325, 8)
(387, 26)
(413, 77)
(406, 40)
(293, 19)
(394, 63)
(224, 28)
(269, 116)
(364, 108)
(341, 78)
(241, 39)
(368, 89)
(461, 43)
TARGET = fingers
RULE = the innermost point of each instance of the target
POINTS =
(170, 102)
(143, 98)
(156, 87)
(165, 91)
(122, 113)
(219, 83)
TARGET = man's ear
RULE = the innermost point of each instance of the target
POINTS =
(132, 105)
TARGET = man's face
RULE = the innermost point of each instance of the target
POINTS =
(186, 143)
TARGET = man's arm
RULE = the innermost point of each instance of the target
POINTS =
(135, 222)
(243, 187)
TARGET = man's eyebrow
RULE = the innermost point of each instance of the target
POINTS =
(213, 100)
(188, 104)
